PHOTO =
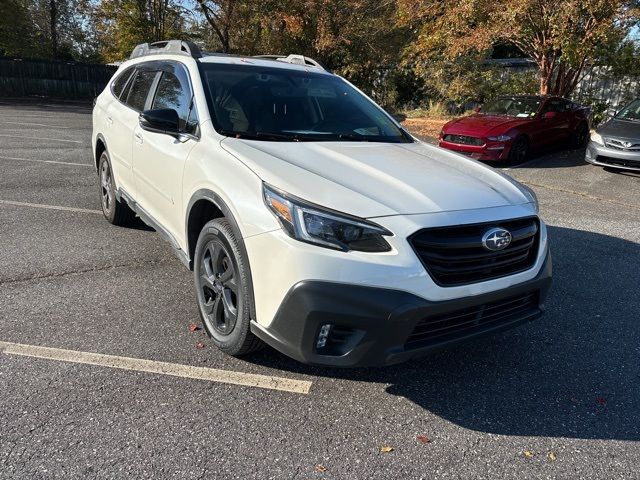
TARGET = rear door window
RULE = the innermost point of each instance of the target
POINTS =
(140, 87)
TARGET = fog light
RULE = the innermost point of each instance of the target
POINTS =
(323, 335)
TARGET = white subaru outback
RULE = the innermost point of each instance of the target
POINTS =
(311, 219)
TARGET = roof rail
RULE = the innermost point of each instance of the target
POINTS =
(295, 59)
(181, 47)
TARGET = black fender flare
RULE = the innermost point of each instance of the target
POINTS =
(99, 137)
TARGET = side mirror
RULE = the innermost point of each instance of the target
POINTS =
(476, 110)
(611, 113)
(549, 115)
(399, 117)
(161, 120)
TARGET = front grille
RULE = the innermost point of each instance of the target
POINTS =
(456, 256)
(463, 140)
(448, 326)
(618, 161)
(625, 145)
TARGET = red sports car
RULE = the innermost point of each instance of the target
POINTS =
(508, 128)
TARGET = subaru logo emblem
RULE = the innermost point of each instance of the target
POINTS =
(496, 239)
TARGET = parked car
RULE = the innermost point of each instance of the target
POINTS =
(508, 128)
(616, 143)
(311, 220)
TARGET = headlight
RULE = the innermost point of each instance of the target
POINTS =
(596, 138)
(311, 223)
(500, 138)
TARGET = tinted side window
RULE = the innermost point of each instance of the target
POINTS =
(554, 106)
(140, 86)
(172, 94)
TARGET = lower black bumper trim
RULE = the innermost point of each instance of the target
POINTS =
(373, 326)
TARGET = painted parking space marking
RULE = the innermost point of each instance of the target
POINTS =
(41, 138)
(49, 207)
(44, 161)
(33, 124)
(161, 368)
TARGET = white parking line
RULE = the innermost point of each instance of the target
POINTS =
(33, 124)
(161, 368)
(49, 207)
(41, 138)
(45, 161)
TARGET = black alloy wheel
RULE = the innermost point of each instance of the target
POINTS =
(222, 281)
(218, 281)
(519, 150)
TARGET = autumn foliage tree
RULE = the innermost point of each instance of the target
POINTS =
(562, 37)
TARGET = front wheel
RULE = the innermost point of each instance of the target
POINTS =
(519, 150)
(222, 289)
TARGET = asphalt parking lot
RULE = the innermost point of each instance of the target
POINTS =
(558, 398)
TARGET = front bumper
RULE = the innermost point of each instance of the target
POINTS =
(610, 157)
(491, 152)
(374, 326)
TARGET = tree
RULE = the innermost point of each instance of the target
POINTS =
(123, 24)
(561, 37)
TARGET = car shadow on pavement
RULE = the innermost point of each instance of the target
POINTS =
(574, 373)
(551, 158)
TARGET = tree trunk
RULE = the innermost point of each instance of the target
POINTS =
(53, 27)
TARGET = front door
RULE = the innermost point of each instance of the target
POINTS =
(159, 159)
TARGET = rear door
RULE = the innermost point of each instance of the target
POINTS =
(118, 129)
(159, 159)
(123, 118)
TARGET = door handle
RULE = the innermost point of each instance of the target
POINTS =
(110, 120)
(138, 137)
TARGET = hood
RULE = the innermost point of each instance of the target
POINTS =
(377, 179)
(620, 129)
(483, 125)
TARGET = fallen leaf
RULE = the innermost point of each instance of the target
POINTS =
(423, 439)
(601, 400)
(386, 449)
(193, 327)
(528, 453)
(551, 456)
(321, 468)
(199, 345)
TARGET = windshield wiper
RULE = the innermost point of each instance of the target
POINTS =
(258, 135)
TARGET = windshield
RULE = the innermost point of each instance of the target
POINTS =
(523, 107)
(630, 112)
(278, 104)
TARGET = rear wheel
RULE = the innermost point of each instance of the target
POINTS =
(519, 150)
(222, 290)
(580, 136)
(116, 212)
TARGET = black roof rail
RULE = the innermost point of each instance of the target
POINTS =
(181, 47)
(295, 59)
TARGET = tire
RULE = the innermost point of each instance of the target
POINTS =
(116, 212)
(221, 279)
(580, 136)
(519, 151)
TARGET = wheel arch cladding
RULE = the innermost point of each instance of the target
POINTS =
(101, 146)
(205, 206)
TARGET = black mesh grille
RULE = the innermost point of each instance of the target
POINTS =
(618, 161)
(463, 140)
(455, 255)
(448, 326)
